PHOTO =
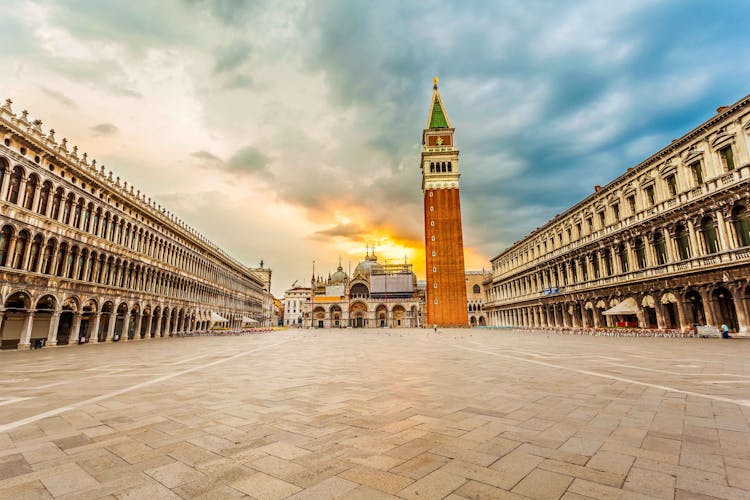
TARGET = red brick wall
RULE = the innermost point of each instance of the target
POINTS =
(448, 260)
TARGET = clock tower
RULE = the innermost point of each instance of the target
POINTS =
(444, 248)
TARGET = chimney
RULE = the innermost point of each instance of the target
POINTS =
(721, 109)
(597, 188)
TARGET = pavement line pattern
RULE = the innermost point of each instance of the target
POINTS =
(741, 402)
(51, 413)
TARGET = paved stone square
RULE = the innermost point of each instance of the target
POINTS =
(378, 414)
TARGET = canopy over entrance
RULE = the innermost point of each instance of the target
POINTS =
(625, 308)
(246, 320)
(215, 318)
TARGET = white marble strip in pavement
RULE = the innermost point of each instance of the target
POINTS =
(741, 402)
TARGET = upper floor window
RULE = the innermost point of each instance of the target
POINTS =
(640, 252)
(683, 242)
(590, 224)
(602, 219)
(570, 235)
(727, 157)
(708, 230)
(476, 289)
(697, 170)
(579, 230)
(631, 204)
(671, 185)
(616, 211)
(660, 248)
(650, 199)
(741, 225)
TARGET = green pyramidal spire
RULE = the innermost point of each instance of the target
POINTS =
(437, 119)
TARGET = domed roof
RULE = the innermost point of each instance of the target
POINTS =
(365, 267)
(339, 277)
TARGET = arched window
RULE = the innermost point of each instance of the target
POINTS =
(476, 289)
(77, 213)
(683, 242)
(640, 252)
(31, 184)
(622, 252)
(48, 256)
(708, 232)
(432, 167)
(56, 202)
(87, 217)
(21, 244)
(5, 236)
(450, 167)
(61, 253)
(36, 248)
(44, 200)
(443, 167)
(741, 225)
(660, 248)
(95, 221)
(68, 208)
(15, 184)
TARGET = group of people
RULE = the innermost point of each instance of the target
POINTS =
(690, 331)
(218, 333)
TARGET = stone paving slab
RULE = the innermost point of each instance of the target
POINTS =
(378, 414)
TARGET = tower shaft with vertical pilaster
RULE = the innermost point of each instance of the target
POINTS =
(446, 288)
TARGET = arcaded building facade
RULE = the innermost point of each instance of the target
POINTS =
(86, 258)
(665, 245)
(443, 234)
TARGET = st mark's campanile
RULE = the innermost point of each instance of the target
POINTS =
(444, 246)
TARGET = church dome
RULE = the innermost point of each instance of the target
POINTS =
(339, 277)
(365, 267)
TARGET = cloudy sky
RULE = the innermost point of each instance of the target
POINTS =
(289, 130)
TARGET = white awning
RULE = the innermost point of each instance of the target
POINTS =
(624, 308)
(246, 319)
(215, 318)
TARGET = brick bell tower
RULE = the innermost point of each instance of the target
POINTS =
(443, 237)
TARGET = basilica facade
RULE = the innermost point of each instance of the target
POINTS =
(376, 295)
(86, 258)
(665, 245)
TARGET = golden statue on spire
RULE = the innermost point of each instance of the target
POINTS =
(434, 81)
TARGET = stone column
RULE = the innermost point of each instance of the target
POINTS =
(22, 192)
(721, 224)
(94, 337)
(565, 315)
(28, 324)
(54, 323)
(584, 317)
(4, 184)
(149, 321)
(75, 329)
(157, 330)
(111, 326)
(138, 325)
(125, 327)
(596, 314)
(659, 312)
(669, 246)
(681, 314)
(708, 309)
(697, 251)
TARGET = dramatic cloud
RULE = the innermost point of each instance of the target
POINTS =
(300, 121)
